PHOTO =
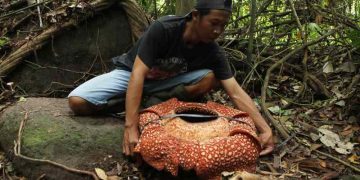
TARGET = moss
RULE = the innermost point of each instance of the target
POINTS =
(9, 128)
(47, 138)
(79, 142)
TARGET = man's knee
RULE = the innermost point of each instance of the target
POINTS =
(80, 106)
(207, 83)
(210, 81)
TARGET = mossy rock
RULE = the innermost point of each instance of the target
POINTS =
(53, 133)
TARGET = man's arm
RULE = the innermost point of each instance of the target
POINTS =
(243, 102)
(132, 104)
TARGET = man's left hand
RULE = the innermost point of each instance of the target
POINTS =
(267, 142)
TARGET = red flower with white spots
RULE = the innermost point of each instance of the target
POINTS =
(225, 142)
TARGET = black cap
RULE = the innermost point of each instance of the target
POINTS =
(214, 4)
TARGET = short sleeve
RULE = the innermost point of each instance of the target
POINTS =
(221, 66)
(150, 43)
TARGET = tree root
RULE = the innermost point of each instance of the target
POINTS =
(313, 81)
(17, 152)
(274, 122)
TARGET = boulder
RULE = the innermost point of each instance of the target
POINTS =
(52, 132)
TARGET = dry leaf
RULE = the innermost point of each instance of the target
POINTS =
(284, 102)
(346, 67)
(330, 175)
(340, 103)
(226, 174)
(347, 130)
(328, 138)
(314, 136)
(337, 92)
(353, 159)
(313, 164)
(113, 178)
(332, 140)
(345, 147)
(328, 67)
(245, 176)
(322, 163)
(315, 146)
(296, 88)
(101, 173)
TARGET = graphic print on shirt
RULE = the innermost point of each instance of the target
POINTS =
(166, 68)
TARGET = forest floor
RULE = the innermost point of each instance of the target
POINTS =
(315, 109)
(323, 144)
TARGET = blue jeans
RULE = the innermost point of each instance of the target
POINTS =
(113, 84)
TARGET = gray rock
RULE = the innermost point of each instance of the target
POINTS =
(53, 133)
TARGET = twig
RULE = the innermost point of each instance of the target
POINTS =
(336, 16)
(301, 28)
(104, 67)
(15, 25)
(39, 14)
(315, 83)
(17, 56)
(272, 169)
(329, 156)
(41, 177)
(21, 128)
(281, 130)
(98, 54)
(339, 160)
(354, 82)
(48, 92)
(286, 141)
(8, 176)
(17, 152)
(22, 9)
(268, 173)
(57, 68)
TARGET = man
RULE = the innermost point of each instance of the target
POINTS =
(176, 57)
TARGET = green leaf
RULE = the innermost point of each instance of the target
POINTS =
(274, 109)
(3, 41)
(355, 38)
(313, 27)
(22, 99)
(314, 31)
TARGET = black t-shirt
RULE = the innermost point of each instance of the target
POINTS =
(163, 50)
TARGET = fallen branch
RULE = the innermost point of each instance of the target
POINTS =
(134, 13)
(17, 152)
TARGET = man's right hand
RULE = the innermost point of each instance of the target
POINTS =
(132, 104)
(131, 138)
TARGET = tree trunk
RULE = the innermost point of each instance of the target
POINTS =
(252, 30)
(184, 6)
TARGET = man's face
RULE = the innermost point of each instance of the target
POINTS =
(210, 26)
